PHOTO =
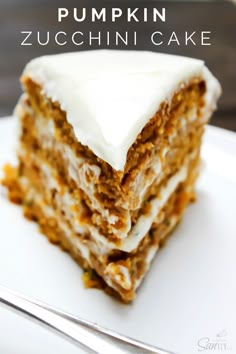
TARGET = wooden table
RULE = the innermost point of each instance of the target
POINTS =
(41, 15)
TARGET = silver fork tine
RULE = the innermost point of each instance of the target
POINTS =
(91, 337)
(116, 335)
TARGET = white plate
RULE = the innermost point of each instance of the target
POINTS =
(187, 302)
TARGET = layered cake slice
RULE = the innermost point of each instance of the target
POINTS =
(109, 154)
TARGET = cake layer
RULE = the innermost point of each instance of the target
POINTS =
(46, 177)
(130, 85)
(34, 174)
(122, 271)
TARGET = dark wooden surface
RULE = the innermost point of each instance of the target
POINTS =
(40, 15)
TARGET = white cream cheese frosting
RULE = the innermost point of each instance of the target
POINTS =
(110, 95)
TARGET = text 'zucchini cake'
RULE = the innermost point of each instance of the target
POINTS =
(109, 155)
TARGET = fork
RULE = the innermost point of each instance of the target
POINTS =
(91, 337)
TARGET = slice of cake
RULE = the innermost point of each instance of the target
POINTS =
(109, 154)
